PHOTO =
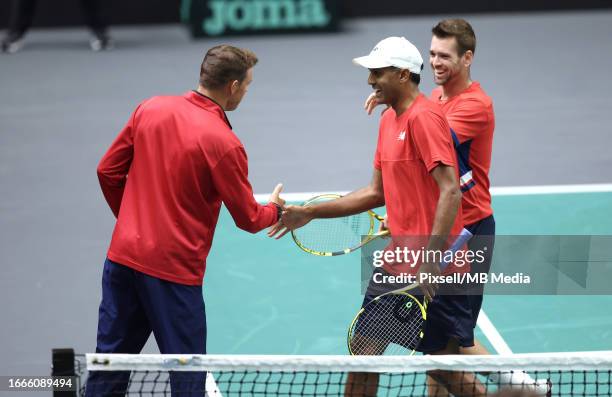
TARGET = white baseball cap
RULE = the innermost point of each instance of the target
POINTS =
(393, 51)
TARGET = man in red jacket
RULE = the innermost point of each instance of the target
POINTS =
(183, 160)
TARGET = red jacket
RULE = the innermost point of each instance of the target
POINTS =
(183, 160)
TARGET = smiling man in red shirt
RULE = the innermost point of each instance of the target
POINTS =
(469, 111)
(165, 177)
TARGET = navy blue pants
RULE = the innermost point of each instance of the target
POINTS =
(454, 316)
(134, 305)
(483, 240)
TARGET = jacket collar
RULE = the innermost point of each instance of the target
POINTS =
(207, 103)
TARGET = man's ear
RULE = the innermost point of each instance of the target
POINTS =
(468, 57)
(404, 75)
(233, 87)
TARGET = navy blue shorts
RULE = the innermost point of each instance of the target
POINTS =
(133, 306)
(448, 317)
(484, 236)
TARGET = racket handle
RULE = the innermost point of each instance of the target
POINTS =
(459, 242)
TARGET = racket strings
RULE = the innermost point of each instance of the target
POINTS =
(335, 234)
(390, 325)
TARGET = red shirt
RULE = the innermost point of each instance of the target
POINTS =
(183, 160)
(470, 116)
(409, 148)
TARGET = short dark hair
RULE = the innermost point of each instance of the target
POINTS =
(225, 63)
(461, 30)
(416, 78)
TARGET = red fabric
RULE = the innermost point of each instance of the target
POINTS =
(183, 160)
(470, 115)
(411, 193)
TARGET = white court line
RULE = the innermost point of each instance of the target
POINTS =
(492, 334)
(495, 191)
(211, 386)
(550, 189)
(295, 197)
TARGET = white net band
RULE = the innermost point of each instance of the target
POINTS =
(567, 361)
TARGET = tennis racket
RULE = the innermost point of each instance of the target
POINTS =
(337, 236)
(392, 323)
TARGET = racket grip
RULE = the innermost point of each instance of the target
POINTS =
(459, 242)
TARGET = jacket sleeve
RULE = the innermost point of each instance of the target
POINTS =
(230, 177)
(114, 166)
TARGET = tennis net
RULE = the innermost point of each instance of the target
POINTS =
(540, 374)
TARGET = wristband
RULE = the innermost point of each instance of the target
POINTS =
(279, 211)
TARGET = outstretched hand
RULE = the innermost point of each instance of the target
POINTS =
(294, 217)
(275, 196)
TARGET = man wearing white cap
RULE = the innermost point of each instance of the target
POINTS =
(469, 111)
(415, 176)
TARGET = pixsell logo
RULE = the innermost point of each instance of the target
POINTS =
(253, 15)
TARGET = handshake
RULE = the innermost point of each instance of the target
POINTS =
(293, 216)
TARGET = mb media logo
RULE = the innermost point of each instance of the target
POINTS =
(219, 17)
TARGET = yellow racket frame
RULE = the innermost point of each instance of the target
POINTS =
(422, 307)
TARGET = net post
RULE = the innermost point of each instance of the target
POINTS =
(63, 365)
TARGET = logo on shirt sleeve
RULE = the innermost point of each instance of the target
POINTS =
(463, 159)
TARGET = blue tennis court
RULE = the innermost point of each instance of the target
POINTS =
(268, 297)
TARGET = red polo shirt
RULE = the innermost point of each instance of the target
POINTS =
(470, 116)
(409, 148)
(183, 160)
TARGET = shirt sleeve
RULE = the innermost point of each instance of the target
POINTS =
(230, 177)
(468, 119)
(432, 138)
(114, 165)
